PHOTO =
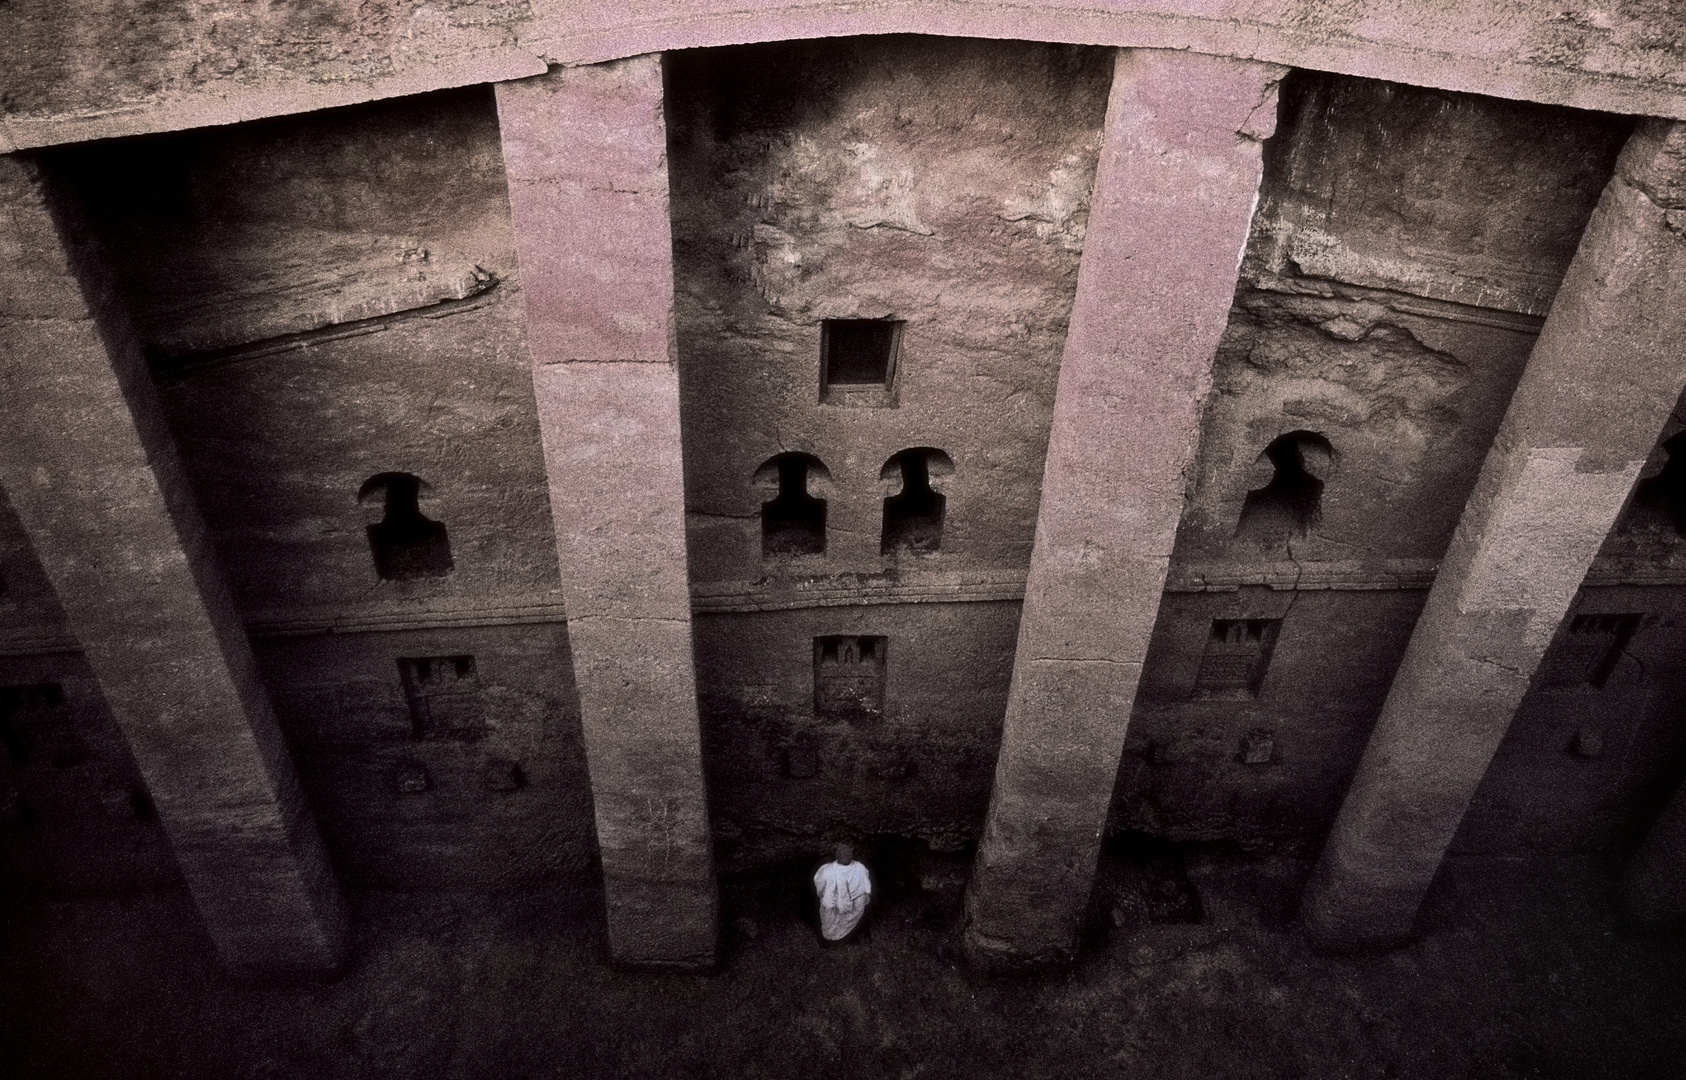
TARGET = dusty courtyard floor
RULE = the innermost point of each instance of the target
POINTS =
(1522, 972)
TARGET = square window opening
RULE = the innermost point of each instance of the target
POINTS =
(858, 359)
(443, 693)
(849, 677)
(1237, 657)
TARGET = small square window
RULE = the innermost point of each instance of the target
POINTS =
(858, 360)
(1588, 653)
(849, 677)
(1237, 655)
(444, 697)
(34, 718)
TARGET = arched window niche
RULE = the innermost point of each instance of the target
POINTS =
(405, 543)
(1659, 502)
(1291, 503)
(913, 514)
(793, 521)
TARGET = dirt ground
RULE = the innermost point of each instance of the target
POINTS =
(1193, 969)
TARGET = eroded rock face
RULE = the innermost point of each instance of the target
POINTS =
(297, 285)
(1406, 243)
(334, 296)
(942, 185)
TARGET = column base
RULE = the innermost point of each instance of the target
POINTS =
(991, 955)
(661, 926)
(1349, 941)
(1339, 918)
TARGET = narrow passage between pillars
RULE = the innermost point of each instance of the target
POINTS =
(1601, 381)
(1173, 199)
(585, 150)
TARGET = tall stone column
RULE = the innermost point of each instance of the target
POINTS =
(94, 477)
(1173, 199)
(585, 150)
(1607, 369)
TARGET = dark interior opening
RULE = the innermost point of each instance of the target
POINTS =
(1237, 656)
(849, 676)
(793, 523)
(26, 712)
(1589, 653)
(444, 697)
(406, 544)
(859, 352)
(913, 519)
(1288, 506)
(1664, 495)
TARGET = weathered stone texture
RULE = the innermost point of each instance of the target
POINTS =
(784, 779)
(942, 183)
(1449, 196)
(185, 65)
(1599, 386)
(410, 807)
(80, 72)
(91, 473)
(278, 437)
(1586, 761)
(1408, 403)
(329, 297)
(1174, 194)
(585, 151)
(1406, 391)
(1184, 775)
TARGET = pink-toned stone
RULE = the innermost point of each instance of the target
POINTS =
(93, 475)
(1173, 197)
(199, 67)
(1602, 379)
(586, 154)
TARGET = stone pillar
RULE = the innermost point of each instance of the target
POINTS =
(1173, 199)
(94, 477)
(1607, 370)
(585, 150)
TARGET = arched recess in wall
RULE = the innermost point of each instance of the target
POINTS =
(1660, 500)
(913, 512)
(405, 543)
(793, 520)
(1290, 503)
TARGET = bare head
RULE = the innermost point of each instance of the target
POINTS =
(845, 854)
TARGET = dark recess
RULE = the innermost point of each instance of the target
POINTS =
(793, 523)
(406, 544)
(913, 519)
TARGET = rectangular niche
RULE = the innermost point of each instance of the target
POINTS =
(33, 718)
(1237, 655)
(1587, 654)
(858, 361)
(849, 676)
(444, 697)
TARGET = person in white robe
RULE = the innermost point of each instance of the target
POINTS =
(844, 889)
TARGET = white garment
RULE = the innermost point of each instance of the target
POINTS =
(843, 891)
